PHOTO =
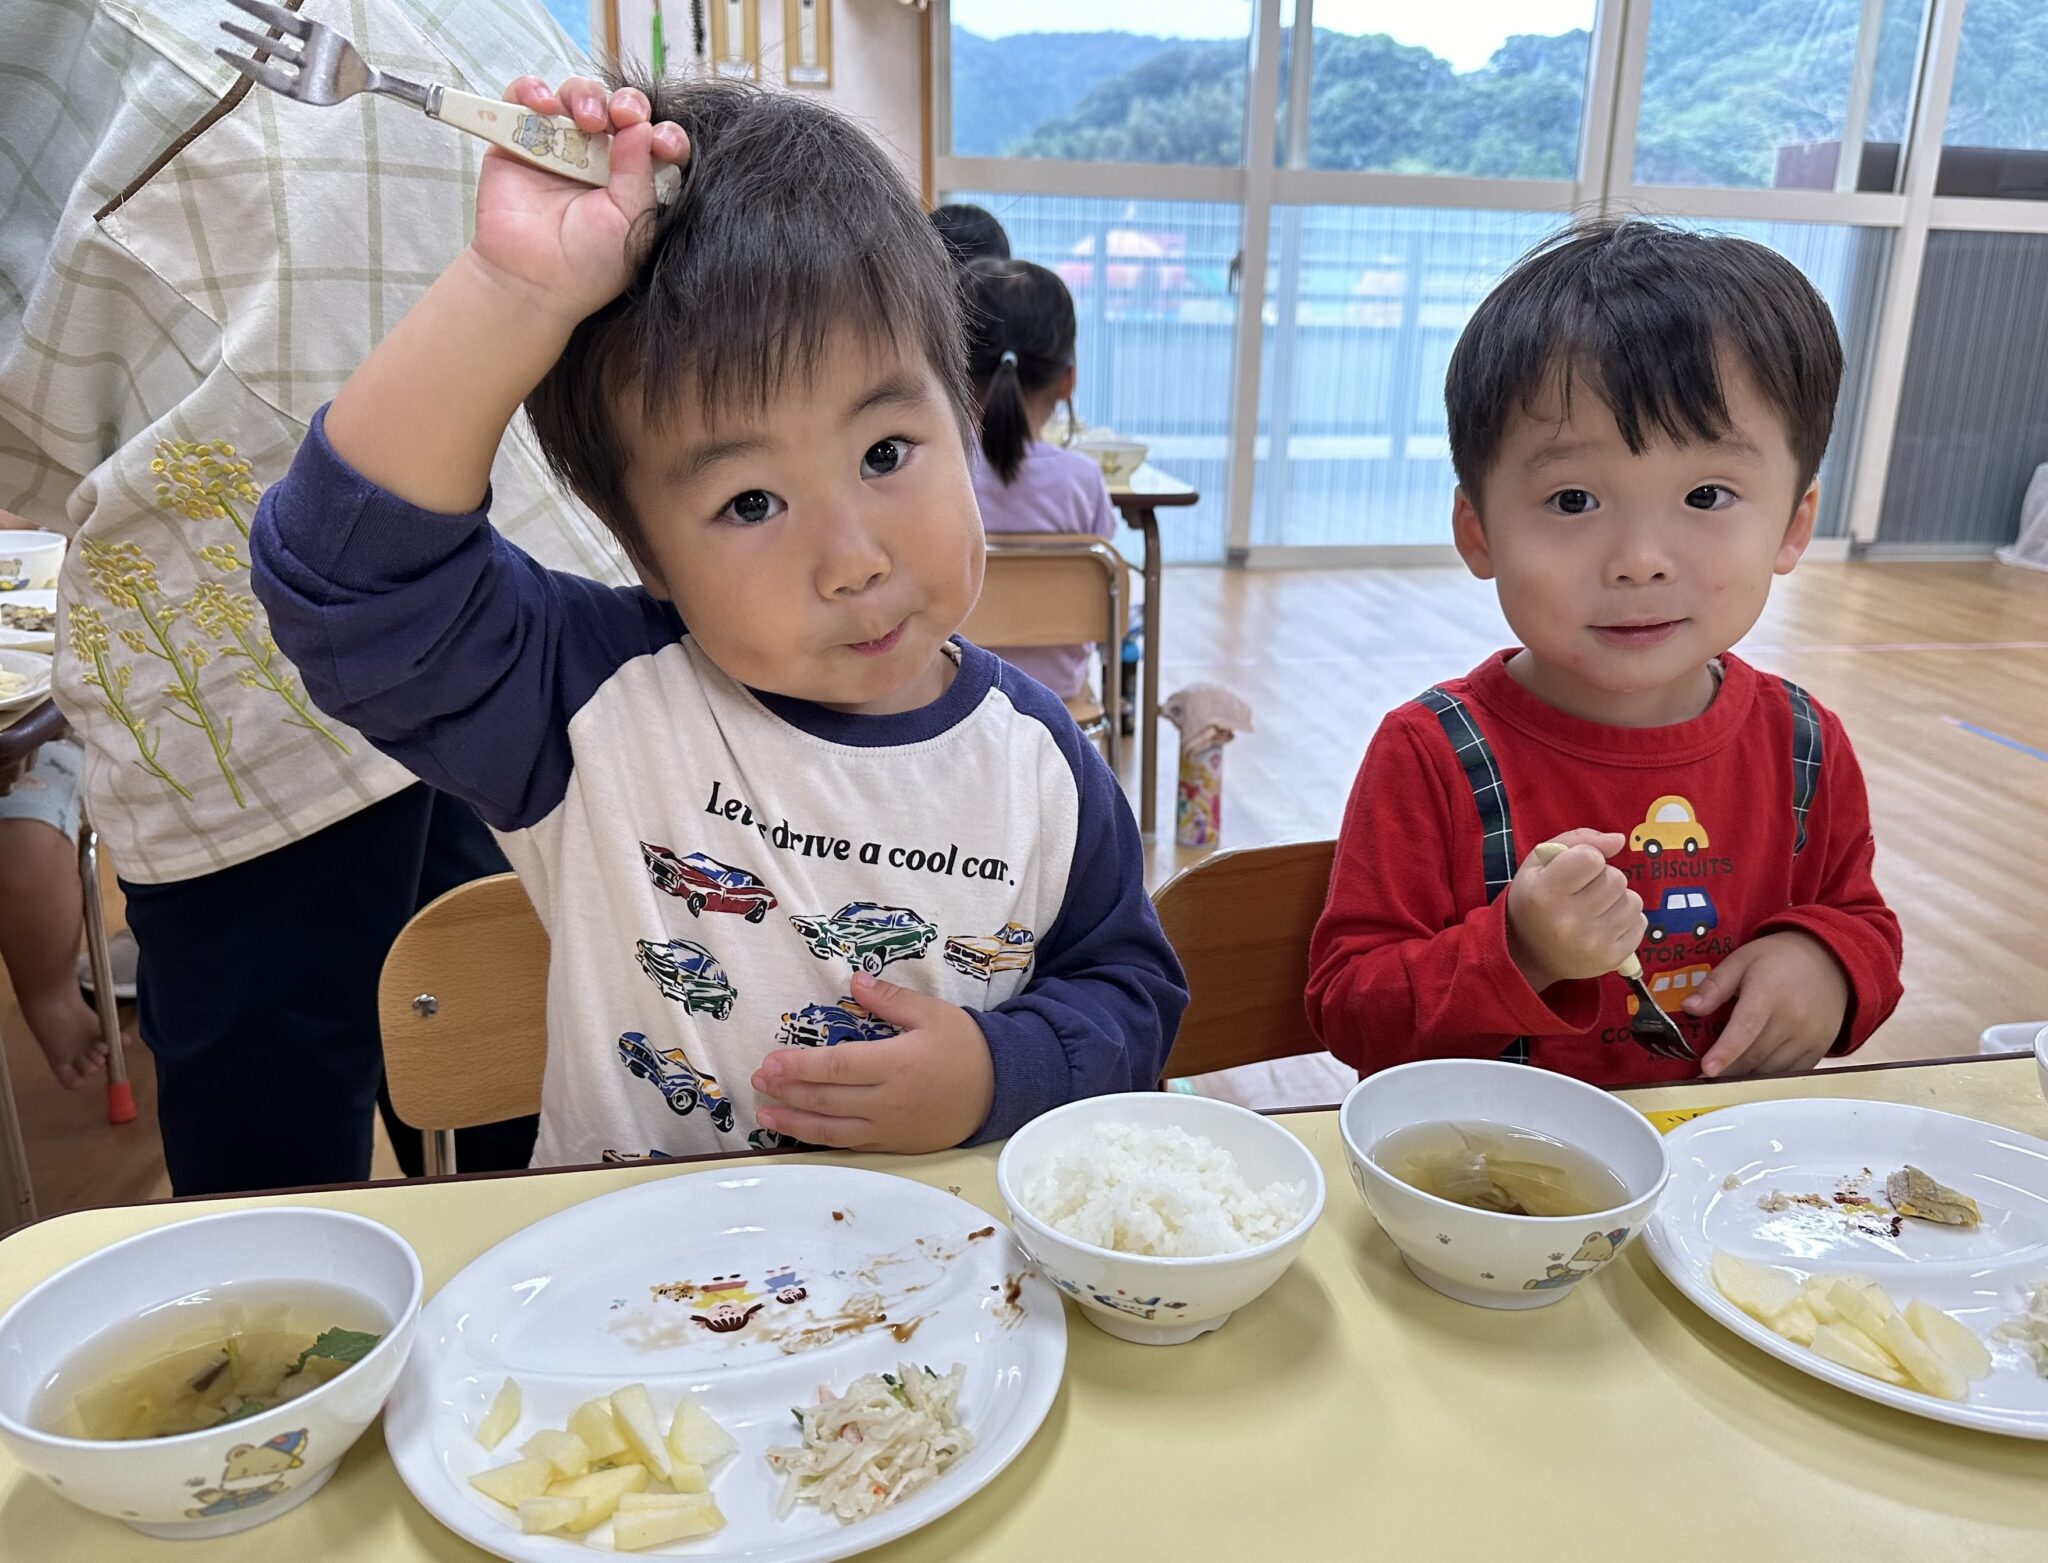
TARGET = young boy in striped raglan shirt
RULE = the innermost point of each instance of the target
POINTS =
(814, 870)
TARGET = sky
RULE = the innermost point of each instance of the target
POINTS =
(1464, 32)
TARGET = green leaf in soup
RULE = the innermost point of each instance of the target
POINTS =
(247, 1408)
(341, 1345)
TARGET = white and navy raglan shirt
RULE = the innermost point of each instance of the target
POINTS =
(713, 863)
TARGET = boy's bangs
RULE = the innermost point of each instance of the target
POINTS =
(1649, 319)
(734, 338)
(1673, 393)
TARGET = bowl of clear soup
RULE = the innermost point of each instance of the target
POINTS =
(206, 1377)
(1501, 1184)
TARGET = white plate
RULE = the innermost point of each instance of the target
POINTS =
(28, 640)
(34, 668)
(1980, 1276)
(568, 1308)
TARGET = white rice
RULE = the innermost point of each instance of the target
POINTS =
(1163, 1192)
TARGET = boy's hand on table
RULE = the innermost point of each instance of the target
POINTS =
(1790, 997)
(925, 1089)
(566, 247)
(1575, 916)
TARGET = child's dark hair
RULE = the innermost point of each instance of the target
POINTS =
(1641, 313)
(971, 232)
(789, 226)
(1020, 338)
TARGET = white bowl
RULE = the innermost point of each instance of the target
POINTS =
(1119, 459)
(29, 560)
(1138, 1297)
(228, 1478)
(1481, 1256)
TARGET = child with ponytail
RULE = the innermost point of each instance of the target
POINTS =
(1020, 363)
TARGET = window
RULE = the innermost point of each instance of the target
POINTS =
(1758, 96)
(1151, 286)
(1494, 88)
(1996, 140)
(1366, 305)
(1101, 81)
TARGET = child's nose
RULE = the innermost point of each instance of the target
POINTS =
(853, 560)
(1637, 556)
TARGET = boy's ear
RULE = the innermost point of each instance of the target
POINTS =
(1469, 533)
(1798, 531)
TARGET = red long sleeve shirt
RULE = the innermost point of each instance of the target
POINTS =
(1410, 960)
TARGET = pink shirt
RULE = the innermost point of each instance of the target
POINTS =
(1055, 490)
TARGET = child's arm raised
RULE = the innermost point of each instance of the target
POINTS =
(423, 415)
(1408, 960)
(406, 614)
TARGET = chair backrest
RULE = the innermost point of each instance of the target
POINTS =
(1051, 589)
(475, 1053)
(1240, 923)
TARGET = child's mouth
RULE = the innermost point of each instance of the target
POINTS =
(881, 647)
(1637, 636)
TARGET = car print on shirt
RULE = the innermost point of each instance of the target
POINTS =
(689, 974)
(1009, 948)
(1682, 912)
(1670, 826)
(828, 1025)
(704, 884)
(682, 1085)
(868, 936)
(1670, 989)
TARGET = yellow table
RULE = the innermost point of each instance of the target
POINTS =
(1349, 1414)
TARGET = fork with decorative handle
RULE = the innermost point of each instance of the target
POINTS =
(316, 65)
(1649, 1025)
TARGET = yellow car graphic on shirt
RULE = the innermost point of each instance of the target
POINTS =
(1670, 826)
(1009, 948)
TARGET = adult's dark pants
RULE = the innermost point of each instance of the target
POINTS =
(257, 996)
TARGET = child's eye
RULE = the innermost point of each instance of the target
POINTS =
(885, 456)
(1710, 496)
(1572, 502)
(752, 508)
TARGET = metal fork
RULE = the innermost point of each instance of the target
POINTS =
(315, 64)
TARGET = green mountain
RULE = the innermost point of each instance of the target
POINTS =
(1726, 83)
(1003, 87)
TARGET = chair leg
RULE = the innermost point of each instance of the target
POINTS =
(1112, 713)
(120, 1094)
(437, 1152)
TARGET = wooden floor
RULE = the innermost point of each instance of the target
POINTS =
(1912, 656)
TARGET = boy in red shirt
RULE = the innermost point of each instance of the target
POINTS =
(1636, 417)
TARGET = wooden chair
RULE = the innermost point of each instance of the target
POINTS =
(1240, 922)
(1057, 589)
(462, 1006)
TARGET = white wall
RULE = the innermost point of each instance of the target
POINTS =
(874, 61)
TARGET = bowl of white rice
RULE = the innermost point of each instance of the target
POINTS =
(1159, 1214)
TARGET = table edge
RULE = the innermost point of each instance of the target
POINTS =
(718, 1157)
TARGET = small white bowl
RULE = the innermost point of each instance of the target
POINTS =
(29, 560)
(1481, 1256)
(194, 1485)
(1139, 1297)
(1119, 459)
